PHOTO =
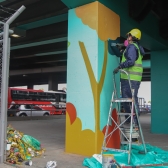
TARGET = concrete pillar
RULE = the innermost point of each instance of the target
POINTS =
(159, 90)
(89, 76)
(30, 86)
(53, 83)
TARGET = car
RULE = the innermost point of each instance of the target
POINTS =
(27, 110)
(148, 107)
(144, 109)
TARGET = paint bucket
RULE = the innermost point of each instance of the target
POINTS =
(107, 160)
(135, 134)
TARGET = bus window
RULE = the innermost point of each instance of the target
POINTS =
(14, 95)
(33, 96)
(51, 97)
(19, 95)
(43, 96)
(62, 97)
(56, 97)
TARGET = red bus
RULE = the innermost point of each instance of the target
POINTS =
(55, 102)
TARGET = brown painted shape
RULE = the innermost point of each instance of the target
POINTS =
(71, 110)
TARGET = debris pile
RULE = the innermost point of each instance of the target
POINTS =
(21, 147)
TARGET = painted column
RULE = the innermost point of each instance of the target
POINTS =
(89, 76)
(159, 90)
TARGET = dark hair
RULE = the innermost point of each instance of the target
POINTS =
(135, 39)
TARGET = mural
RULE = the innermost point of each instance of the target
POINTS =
(89, 76)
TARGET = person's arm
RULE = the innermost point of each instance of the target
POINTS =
(131, 56)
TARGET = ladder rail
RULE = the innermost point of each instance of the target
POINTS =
(107, 125)
(131, 130)
(117, 127)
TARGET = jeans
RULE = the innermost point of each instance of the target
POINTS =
(126, 93)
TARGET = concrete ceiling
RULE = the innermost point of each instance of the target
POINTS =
(43, 50)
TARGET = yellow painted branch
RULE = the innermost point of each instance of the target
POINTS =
(100, 84)
(93, 82)
(96, 87)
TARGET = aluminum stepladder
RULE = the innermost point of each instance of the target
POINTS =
(125, 139)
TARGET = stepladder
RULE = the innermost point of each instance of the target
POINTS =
(126, 134)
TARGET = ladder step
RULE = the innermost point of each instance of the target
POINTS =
(123, 100)
(124, 113)
(126, 143)
(116, 150)
(135, 134)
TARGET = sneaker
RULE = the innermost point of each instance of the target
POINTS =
(134, 139)
(136, 128)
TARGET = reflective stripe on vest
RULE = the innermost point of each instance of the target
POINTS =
(135, 72)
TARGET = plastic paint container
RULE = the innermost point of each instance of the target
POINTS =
(107, 160)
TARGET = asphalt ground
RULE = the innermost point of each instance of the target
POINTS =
(50, 131)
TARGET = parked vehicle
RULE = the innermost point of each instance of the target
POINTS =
(148, 106)
(27, 110)
(143, 109)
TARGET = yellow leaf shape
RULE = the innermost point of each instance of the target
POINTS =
(100, 18)
(84, 142)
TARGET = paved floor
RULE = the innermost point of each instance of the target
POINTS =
(51, 133)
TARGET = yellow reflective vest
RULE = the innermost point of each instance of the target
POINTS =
(135, 72)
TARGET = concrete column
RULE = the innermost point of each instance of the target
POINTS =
(53, 83)
(159, 90)
(89, 76)
(30, 86)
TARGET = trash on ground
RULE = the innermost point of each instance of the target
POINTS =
(51, 164)
(21, 147)
(29, 163)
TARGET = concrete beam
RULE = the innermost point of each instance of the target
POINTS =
(39, 43)
(44, 22)
(38, 70)
(146, 64)
(75, 3)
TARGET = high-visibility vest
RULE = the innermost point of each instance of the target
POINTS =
(135, 72)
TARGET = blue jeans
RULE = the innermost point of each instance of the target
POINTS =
(126, 93)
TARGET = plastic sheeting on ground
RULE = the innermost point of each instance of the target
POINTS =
(154, 155)
(21, 147)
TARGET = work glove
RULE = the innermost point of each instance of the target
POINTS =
(116, 70)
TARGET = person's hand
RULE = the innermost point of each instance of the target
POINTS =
(116, 70)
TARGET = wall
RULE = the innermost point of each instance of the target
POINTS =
(159, 90)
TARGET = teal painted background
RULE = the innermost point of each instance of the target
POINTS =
(159, 90)
(78, 83)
